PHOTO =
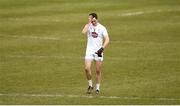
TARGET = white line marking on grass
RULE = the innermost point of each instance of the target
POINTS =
(32, 37)
(145, 42)
(85, 96)
(41, 38)
(39, 56)
(81, 58)
(131, 13)
(145, 12)
(36, 37)
(70, 39)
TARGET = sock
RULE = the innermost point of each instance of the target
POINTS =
(97, 86)
(90, 83)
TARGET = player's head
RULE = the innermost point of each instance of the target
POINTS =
(93, 15)
(93, 18)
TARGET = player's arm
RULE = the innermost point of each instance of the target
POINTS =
(85, 29)
(106, 41)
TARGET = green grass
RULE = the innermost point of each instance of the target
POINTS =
(42, 50)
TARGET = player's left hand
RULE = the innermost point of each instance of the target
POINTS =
(99, 52)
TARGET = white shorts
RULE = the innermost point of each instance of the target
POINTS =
(93, 57)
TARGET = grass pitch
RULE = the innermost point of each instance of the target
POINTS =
(42, 50)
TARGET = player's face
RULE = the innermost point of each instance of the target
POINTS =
(94, 21)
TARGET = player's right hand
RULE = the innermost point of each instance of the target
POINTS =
(89, 21)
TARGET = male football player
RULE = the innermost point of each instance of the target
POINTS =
(98, 40)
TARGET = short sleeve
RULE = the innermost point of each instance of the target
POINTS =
(105, 33)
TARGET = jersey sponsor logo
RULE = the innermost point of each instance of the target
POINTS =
(94, 34)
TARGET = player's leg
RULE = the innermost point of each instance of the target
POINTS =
(98, 75)
(88, 63)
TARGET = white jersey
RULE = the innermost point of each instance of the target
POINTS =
(95, 35)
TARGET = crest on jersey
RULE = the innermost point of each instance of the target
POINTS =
(94, 34)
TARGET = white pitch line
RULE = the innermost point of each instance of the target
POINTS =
(39, 56)
(36, 37)
(147, 42)
(41, 38)
(86, 96)
(79, 57)
(132, 13)
(70, 39)
(31, 37)
(146, 12)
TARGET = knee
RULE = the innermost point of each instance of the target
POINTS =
(87, 69)
(98, 71)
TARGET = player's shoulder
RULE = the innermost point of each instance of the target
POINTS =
(102, 26)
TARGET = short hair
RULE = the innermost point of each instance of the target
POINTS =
(94, 15)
